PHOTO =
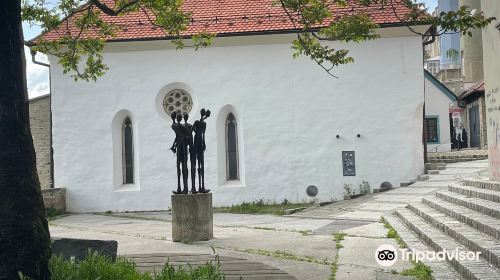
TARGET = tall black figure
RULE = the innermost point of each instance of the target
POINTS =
(199, 128)
(192, 153)
(180, 148)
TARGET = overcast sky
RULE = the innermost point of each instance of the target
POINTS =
(38, 76)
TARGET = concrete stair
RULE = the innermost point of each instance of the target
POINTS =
(439, 241)
(434, 168)
(495, 186)
(466, 217)
(453, 160)
(484, 223)
(486, 207)
(466, 235)
(440, 269)
(455, 157)
(490, 195)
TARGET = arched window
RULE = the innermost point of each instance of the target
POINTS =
(127, 152)
(232, 148)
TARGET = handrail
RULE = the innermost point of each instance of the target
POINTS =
(445, 142)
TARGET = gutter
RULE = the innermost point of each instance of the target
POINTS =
(33, 59)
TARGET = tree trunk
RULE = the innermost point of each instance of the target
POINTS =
(24, 234)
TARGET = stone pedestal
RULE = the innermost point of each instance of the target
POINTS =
(192, 218)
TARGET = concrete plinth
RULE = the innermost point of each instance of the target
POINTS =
(192, 218)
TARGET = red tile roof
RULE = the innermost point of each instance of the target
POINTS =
(477, 87)
(224, 17)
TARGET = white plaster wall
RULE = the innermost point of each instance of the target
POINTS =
(491, 51)
(289, 112)
(437, 104)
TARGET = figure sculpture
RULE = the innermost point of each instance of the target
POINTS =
(180, 148)
(184, 145)
(199, 128)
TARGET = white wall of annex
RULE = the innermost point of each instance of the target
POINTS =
(437, 104)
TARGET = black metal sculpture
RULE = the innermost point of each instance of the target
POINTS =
(184, 145)
(180, 148)
(199, 128)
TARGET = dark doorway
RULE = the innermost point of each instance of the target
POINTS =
(474, 127)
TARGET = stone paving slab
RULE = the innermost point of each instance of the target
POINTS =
(379, 206)
(339, 226)
(357, 258)
(361, 215)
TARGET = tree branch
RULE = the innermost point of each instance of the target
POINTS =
(111, 12)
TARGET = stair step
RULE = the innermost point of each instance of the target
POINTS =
(434, 165)
(477, 204)
(433, 172)
(476, 192)
(423, 177)
(441, 270)
(484, 223)
(491, 185)
(472, 238)
(470, 269)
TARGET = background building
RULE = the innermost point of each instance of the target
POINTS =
(491, 51)
(40, 131)
(278, 124)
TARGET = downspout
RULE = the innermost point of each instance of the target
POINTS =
(33, 59)
(432, 31)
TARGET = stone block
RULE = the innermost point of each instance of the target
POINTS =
(192, 218)
(423, 177)
(55, 198)
(78, 248)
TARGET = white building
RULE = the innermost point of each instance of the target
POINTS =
(438, 100)
(288, 114)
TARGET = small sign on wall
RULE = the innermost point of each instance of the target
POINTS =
(349, 163)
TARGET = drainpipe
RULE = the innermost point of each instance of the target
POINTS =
(33, 59)
(431, 32)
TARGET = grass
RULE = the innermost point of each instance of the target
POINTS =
(338, 237)
(306, 232)
(392, 233)
(53, 213)
(261, 207)
(419, 271)
(103, 268)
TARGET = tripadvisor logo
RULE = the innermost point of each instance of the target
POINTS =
(387, 255)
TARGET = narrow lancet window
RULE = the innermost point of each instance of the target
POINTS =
(232, 148)
(127, 152)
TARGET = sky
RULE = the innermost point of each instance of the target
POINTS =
(38, 76)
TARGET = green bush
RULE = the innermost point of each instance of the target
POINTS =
(261, 207)
(100, 267)
(53, 213)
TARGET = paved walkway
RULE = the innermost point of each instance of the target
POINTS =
(301, 245)
(233, 268)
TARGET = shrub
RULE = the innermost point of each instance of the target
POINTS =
(364, 187)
